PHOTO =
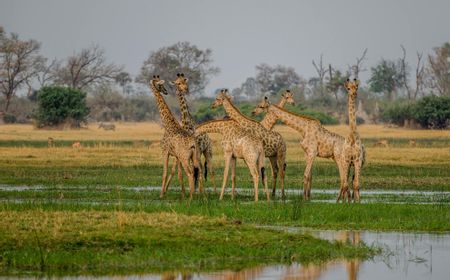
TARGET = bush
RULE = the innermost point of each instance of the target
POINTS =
(9, 118)
(397, 113)
(433, 112)
(61, 105)
(321, 116)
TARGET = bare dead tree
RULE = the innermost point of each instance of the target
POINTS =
(404, 73)
(19, 62)
(46, 73)
(357, 67)
(420, 75)
(86, 68)
(321, 72)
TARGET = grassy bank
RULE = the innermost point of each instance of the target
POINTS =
(99, 242)
(374, 216)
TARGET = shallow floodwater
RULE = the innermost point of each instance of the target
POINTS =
(405, 256)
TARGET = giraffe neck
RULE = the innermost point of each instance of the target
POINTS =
(187, 121)
(236, 115)
(215, 126)
(295, 121)
(270, 118)
(352, 117)
(168, 120)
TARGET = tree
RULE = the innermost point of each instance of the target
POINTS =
(357, 67)
(85, 69)
(404, 75)
(264, 73)
(19, 62)
(439, 69)
(273, 79)
(386, 78)
(319, 81)
(61, 105)
(433, 112)
(335, 82)
(182, 57)
(123, 79)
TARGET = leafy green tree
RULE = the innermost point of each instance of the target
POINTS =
(385, 78)
(433, 112)
(440, 69)
(61, 105)
(182, 57)
(273, 79)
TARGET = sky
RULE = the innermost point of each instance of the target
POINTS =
(241, 33)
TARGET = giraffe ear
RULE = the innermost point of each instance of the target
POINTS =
(161, 82)
(171, 83)
(186, 80)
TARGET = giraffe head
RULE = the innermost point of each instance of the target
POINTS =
(220, 98)
(288, 96)
(351, 87)
(181, 83)
(263, 106)
(157, 84)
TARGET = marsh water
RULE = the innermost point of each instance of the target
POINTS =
(405, 256)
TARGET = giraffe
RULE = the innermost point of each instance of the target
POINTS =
(176, 141)
(315, 141)
(188, 123)
(274, 145)
(270, 119)
(354, 152)
(238, 143)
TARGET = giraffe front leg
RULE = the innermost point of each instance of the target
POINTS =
(209, 166)
(356, 181)
(172, 172)
(233, 177)
(281, 162)
(307, 177)
(274, 168)
(164, 176)
(180, 177)
(255, 175)
(343, 172)
(188, 169)
(225, 173)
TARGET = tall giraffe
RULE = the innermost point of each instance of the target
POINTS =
(176, 141)
(270, 119)
(274, 145)
(238, 143)
(315, 141)
(354, 153)
(188, 123)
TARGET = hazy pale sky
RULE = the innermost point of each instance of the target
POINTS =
(241, 33)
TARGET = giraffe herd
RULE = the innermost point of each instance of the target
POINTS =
(252, 141)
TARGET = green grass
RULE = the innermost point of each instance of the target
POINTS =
(99, 242)
(325, 175)
(293, 212)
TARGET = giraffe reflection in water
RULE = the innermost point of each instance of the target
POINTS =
(292, 272)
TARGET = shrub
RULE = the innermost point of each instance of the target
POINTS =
(9, 118)
(61, 105)
(433, 112)
(397, 112)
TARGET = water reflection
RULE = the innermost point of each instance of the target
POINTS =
(406, 256)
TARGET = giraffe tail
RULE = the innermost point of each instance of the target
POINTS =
(196, 175)
(206, 170)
